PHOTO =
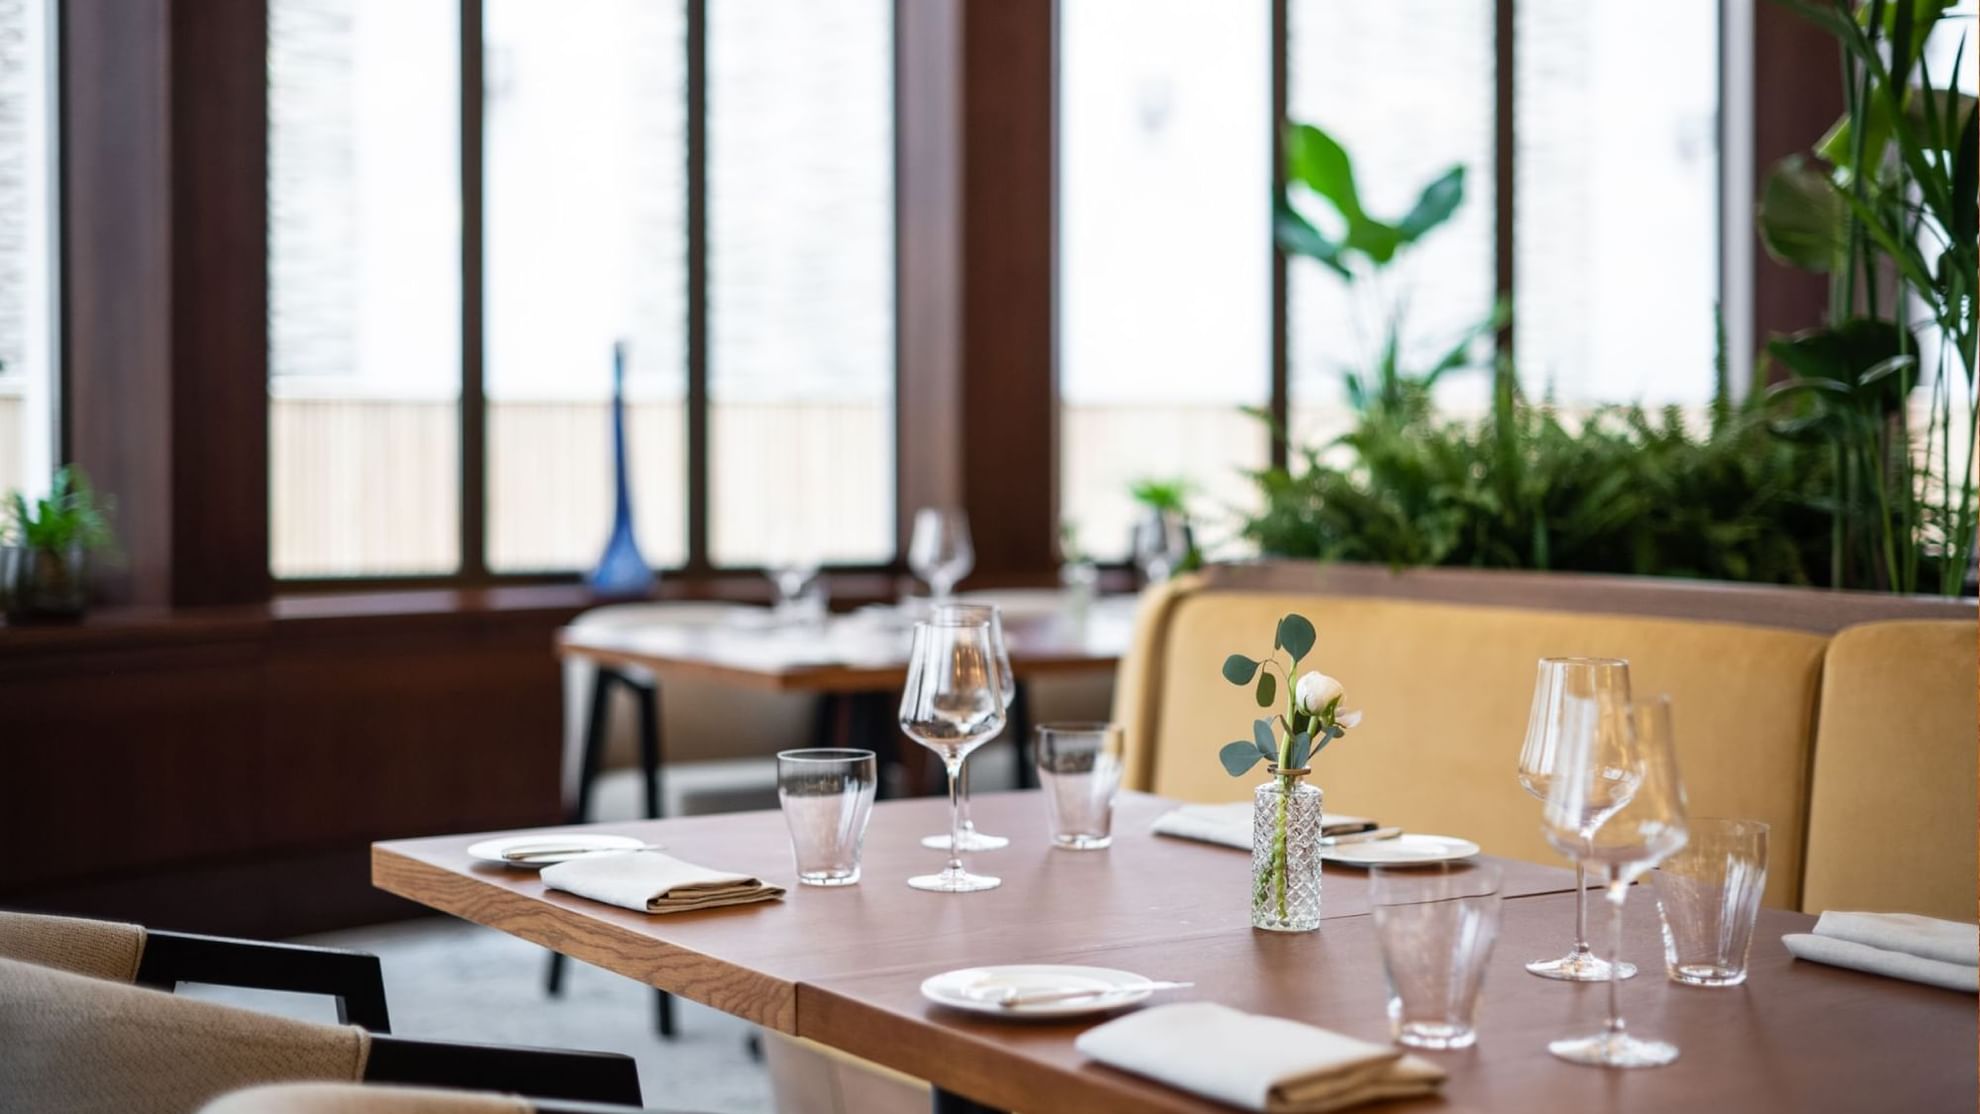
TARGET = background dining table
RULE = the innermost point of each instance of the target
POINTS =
(843, 967)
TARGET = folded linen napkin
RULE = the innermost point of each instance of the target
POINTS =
(1266, 1064)
(1896, 945)
(1230, 825)
(651, 882)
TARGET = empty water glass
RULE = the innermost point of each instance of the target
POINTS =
(1079, 768)
(1708, 896)
(1436, 925)
(827, 797)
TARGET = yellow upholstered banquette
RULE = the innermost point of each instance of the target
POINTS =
(1446, 687)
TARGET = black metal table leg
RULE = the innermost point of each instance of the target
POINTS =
(947, 1102)
(589, 761)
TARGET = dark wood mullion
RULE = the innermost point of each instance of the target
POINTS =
(473, 405)
(1281, 403)
(1504, 156)
(697, 287)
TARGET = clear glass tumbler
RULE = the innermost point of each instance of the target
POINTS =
(1079, 767)
(1708, 897)
(1436, 925)
(827, 797)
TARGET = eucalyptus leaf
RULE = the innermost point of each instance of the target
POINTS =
(1296, 634)
(1239, 669)
(1238, 757)
(1262, 740)
(1268, 689)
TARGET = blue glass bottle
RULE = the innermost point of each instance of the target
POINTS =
(621, 571)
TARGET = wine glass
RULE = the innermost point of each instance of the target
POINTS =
(1161, 544)
(973, 840)
(1615, 800)
(1564, 696)
(939, 551)
(953, 702)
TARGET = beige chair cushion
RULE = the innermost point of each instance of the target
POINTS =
(81, 1045)
(1892, 817)
(99, 949)
(811, 1078)
(349, 1098)
(1446, 690)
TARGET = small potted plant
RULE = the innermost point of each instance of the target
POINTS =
(52, 538)
(1285, 811)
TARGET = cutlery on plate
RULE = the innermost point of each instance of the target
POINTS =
(1360, 837)
(552, 851)
(1010, 997)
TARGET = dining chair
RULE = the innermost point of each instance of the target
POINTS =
(131, 953)
(345, 1098)
(71, 1042)
(1891, 812)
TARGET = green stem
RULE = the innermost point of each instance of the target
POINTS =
(1279, 863)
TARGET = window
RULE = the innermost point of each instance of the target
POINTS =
(27, 259)
(1616, 223)
(1406, 86)
(801, 281)
(364, 287)
(586, 233)
(1165, 264)
(584, 196)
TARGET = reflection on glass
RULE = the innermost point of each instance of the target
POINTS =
(585, 232)
(364, 261)
(801, 278)
(1165, 264)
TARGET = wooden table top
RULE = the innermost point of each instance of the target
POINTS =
(844, 967)
(851, 653)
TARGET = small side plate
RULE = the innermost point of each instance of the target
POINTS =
(492, 850)
(974, 989)
(1403, 850)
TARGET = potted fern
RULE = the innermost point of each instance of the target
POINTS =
(50, 541)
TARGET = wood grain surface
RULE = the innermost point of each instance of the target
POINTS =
(1796, 1037)
(844, 967)
(749, 961)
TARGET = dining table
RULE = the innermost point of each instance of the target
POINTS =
(844, 966)
(854, 664)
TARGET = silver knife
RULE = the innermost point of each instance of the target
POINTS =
(1360, 837)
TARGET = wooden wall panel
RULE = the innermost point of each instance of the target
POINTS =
(231, 779)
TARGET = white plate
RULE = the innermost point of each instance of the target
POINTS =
(971, 989)
(1404, 850)
(492, 850)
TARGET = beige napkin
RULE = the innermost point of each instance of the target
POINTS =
(1266, 1064)
(1896, 945)
(1230, 825)
(651, 882)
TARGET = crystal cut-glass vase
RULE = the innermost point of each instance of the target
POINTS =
(1285, 856)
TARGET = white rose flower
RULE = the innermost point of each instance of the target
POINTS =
(1316, 691)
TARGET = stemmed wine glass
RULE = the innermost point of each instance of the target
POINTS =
(1565, 697)
(939, 551)
(973, 840)
(1616, 800)
(953, 703)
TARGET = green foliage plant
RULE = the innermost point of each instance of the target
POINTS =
(1318, 169)
(1884, 203)
(70, 516)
